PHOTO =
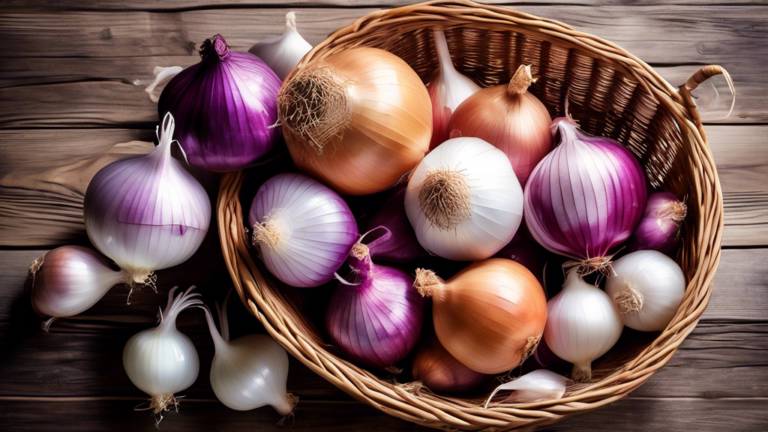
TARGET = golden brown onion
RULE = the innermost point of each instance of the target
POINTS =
(510, 118)
(357, 120)
(440, 371)
(490, 316)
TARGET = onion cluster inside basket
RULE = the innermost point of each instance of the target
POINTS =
(612, 94)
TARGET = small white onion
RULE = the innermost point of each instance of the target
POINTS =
(583, 323)
(464, 200)
(250, 371)
(162, 361)
(648, 288)
(283, 53)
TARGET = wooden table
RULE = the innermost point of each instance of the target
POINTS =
(72, 75)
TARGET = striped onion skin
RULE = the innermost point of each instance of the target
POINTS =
(311, 229)
(496, 201)
(225, 106)
(147, 213)
(585, 198)
(375, 318)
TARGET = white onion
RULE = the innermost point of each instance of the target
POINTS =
(250, 371)
(648, 288)
(583, 323)
(283, 53)
(163, 75)
(147, 213)
(464, 200)
(162, 361)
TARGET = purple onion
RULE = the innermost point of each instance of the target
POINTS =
(585, 198)
(659, 229)
(225, 106)
(303, 229)
(526, 252)
(394, 239)
(375, 319)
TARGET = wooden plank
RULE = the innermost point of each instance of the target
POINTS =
(724, 357)
(44, 174)
(629, 414)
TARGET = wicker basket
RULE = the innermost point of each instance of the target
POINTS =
(613, 94)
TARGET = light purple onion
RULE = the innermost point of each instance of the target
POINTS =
(147, 213)
(393, 237)
(659, 229)
(585, 198)
(225, 106)
(376, 321)
(303, 229)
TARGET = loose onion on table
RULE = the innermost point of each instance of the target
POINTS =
(283, 53)
(659, 229)
(510, 118)
(147, 213)
(585, 198)
(303, 230)
(69, 280)
(394, 239)
(375, 317)
(357, 120)
(648, 288)
(583, 323)
(248, 372)
(226, 106)
(490, 316)
(464, 201)
(162, 361)
(447, 90)
(163, 75)
(437, 369)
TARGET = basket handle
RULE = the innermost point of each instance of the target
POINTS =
(699, 77)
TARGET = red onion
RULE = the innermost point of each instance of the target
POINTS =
(528, 253)
(659, 229)
(586, 197)
(225, 106)
(303, 229)
(376, 318)
(395, 242)
(147, 213)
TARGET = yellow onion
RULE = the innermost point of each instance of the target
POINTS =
(510, 118)
(357, 120)
(440, 371)
(490, 316)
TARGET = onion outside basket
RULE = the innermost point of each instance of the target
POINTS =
(612, 93)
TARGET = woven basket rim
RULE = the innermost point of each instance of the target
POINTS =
(263, 299)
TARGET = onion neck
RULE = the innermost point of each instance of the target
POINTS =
(290, 22)
(360, 259)
(582, 373)
(427, 282)
(521, 81)
(445, 198)
(214, 48)
(285, 404)
(219, 343)
(443, 53)
(136, 279)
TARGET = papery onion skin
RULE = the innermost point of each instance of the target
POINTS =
(510, 118)
(69, 280)
(284, 52)
(583, 323)
(585, 198)
(225, 106)
(434, 366)
(491, 207)
(659, 229)
(538, 385)
(377, 321)
(147, 213)
(447, 90)
(393, 237)
(315, 228)
(490, 316)
(384, 129)
(648, 288)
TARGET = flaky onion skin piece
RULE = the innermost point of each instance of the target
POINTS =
(370, 122)
(490, 316)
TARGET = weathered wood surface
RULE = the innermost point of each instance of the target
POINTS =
(72, 76)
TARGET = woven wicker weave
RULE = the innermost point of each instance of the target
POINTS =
(613, 94)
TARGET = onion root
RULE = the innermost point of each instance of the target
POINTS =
(445, 198)
(629, 300)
